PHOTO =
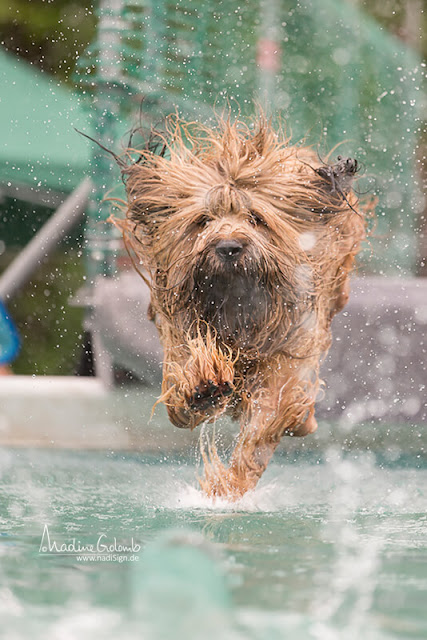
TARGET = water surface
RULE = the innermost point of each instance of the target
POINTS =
(327, 547)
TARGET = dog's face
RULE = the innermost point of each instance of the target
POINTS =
(233, 266)
(240, 231)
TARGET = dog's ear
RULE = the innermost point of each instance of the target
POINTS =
(145, 213)
(334, 188)
(148, 200)
(338, 177)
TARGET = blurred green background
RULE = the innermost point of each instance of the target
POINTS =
(367, 88)
(52, 35)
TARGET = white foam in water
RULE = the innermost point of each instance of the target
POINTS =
(262, 499)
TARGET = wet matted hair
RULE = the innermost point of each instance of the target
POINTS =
(246, 242)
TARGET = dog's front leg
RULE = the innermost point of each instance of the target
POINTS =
(282, 407)
(197, 381)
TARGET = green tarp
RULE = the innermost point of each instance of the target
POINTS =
(39, 147)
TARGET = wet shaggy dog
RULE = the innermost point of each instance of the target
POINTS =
(247, 244)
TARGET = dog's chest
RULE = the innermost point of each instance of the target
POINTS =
(236, 309)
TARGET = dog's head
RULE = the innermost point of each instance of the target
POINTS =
(239, 228)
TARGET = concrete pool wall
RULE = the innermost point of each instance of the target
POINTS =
(80, 413)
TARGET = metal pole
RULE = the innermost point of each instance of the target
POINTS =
(58, 225)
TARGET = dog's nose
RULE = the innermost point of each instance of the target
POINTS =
(229, 249)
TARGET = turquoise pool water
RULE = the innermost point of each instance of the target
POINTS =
(328, 547)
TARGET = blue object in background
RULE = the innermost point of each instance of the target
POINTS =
(9, 339)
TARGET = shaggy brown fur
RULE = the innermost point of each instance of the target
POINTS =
(247, 244)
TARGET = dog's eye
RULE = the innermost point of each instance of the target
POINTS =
(256, 220)
(203, 221)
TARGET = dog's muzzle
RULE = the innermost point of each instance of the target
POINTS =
(229, 250)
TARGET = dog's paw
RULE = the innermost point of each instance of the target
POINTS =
(209, 394)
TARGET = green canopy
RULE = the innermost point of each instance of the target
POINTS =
(39, 148)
